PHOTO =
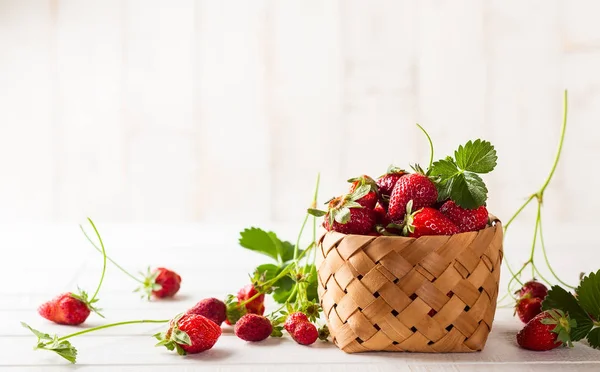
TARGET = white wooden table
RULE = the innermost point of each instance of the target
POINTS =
(42, 261)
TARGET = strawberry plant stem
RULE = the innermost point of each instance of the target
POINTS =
(110, 326)
(103, 263)
(539, 197)
(430, 146)
(110, 259)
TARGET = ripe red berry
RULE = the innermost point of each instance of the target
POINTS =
(466, 219)
(169, 282)
(65, 309)
(202, 332)
(416, 187)
(305, 333)
(255, 306)
(211, 308)
(361, 222)
(546, 331)
(429, 221)
(387, 182)
(293, 320)
(534, 289)
(528, 307)
(252, 327)
(370, 199)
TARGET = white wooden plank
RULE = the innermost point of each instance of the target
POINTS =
(380, 87)
(159, 109)
(89, 141)
(26, 110)
(233, 137)
(304, 81)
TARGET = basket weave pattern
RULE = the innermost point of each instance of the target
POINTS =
(377, 292)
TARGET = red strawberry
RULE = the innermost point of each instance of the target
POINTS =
(427, 221)
(210, 308)
(381, 215)
(370, 199)
(465, 219)
(533, 288)
(416, 187)
(361, 221)
(387, 182)
(528, 307)
(168, 281)
(255, 306)
(293, 320)
(190, 334)
(305, 333)
(252, 327)
(65, 309)
(546, 331)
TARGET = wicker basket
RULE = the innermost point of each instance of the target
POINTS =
(430, 294)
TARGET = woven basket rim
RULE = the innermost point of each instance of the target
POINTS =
(494, 223)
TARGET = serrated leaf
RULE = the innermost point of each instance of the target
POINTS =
(277, 331)
(360, 192)
(258, 240)
(39, 335)
(443, 189)
(287, 251)
(479, 156)
(62, 348)
(267, 271)
(588, 294)
(559, 298)
(180, 350)
(311, 288)
(468, 190)
(445, 169)
(594, 338)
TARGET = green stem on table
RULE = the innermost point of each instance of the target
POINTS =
(109, 326)
(103, 264)
(110, 259)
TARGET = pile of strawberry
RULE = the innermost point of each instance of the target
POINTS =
(446, 199)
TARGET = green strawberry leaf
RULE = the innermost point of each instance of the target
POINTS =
(343, 215)
(277, 331)
(181, 337)
(267, 272)
(283, 290)
(267, 243)
(478, 157)
(468, 190)
(594, 338)
(316, 212)
(311, 288)
(445, 169)
(360, 192)
(558, 298)
(39, 335)
(588, 294)
(62, 348)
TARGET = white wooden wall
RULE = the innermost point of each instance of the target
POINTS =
(217, 110)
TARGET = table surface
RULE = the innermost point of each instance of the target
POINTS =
(47, 260)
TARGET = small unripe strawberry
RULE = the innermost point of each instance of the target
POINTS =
(210, 308)
(252, 327)
(305, 333)
(169, 282)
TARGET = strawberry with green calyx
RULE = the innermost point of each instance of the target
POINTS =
(158, 283)
(466, 219)
(189, 334)
(370, 199)
(64, 348)
(211, 308)
(425, 221)
(416, 187)
(386, 182)
(70, 308)
(547, 331)
(253, 328)
(324, 333)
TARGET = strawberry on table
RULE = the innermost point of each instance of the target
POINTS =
(189, 334)
(211, 308)
(466, 219)
(253, 328)
(546, 331)
(305, 333)
(370, 199)
(70, 308)
(528, 307)
(416, 187)
(293, 320)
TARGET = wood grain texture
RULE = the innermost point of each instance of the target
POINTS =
(202, 110)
